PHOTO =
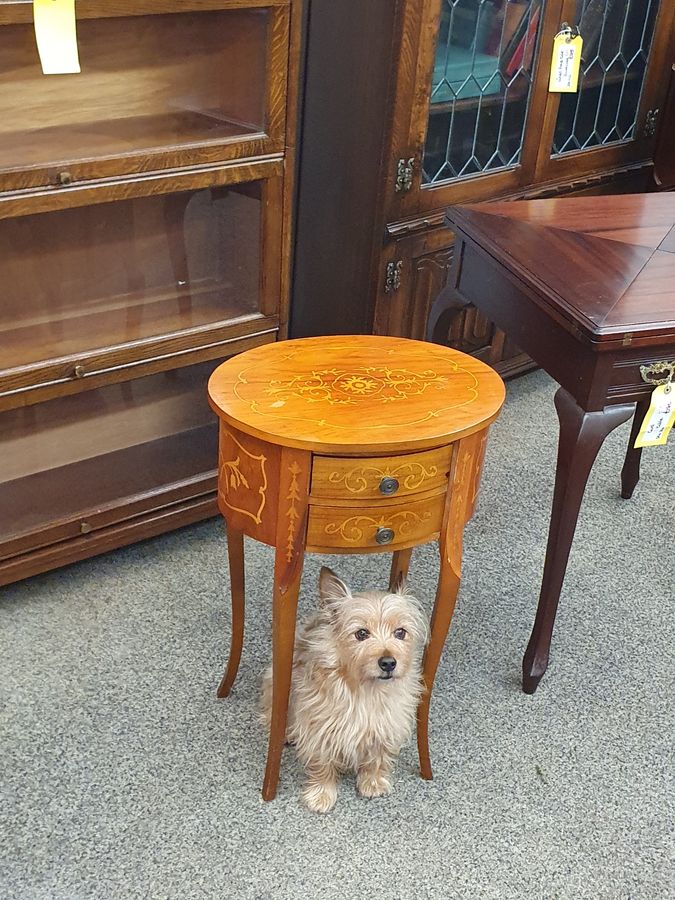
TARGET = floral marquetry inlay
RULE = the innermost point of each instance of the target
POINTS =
(243, 479)
(411, 475)
(353, 529)
(332, 394)
(346, 386)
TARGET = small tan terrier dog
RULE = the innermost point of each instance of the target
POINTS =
(355, 688)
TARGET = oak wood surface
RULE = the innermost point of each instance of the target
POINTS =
(360, 395)
(456, 506)
(21, 11)
(235, 553)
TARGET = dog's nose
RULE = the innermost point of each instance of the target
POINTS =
(387, 663)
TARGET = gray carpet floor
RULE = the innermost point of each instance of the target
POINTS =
(124, 777)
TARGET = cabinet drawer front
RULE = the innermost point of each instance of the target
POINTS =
(380, 477)
(375, 527)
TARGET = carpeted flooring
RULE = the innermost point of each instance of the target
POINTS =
(124, 777)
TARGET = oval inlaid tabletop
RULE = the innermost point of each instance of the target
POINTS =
(356, 394)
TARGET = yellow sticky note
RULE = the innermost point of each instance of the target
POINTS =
(56, 35)
(660, 417)
(565, 64)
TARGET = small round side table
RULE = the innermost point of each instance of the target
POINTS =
(355, 444)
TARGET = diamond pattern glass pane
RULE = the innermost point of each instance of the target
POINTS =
(480, 87)
(617, 36)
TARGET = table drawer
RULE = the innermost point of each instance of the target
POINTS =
(375, 527)
(369, 479)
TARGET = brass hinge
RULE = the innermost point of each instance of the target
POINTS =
(650, 122)
(404, 174)
(392, 278)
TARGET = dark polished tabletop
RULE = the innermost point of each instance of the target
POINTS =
(605, 264)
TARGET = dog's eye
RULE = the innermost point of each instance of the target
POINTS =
(400, 634)
(362, 634)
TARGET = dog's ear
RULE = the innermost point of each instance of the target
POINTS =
(331, 588)
(400, 585)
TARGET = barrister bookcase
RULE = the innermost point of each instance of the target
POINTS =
(145, 221)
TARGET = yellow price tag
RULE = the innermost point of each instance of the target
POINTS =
(56, 35)
(565, 63)
(660, 417)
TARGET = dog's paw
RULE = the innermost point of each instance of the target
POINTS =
(370, 785)
(320, 798)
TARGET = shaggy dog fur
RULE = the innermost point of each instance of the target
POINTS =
(355, 688)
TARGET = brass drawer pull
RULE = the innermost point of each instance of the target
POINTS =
(85, 528)
(384, 535)
(79, 372)
(658, 373)
(63, 179)
(389, 486)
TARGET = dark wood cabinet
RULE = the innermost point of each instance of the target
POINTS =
(462, 113)
(145, 233)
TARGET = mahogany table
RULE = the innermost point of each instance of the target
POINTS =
(586, 286)
(347, 445)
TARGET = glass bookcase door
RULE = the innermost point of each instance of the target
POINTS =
(152, 88)
(617, 37)
(481, 86)
(129, 280)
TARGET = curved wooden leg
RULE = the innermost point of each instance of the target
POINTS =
(444, 607)
(444, 308)
(454, 519)
(400, 564)
(290, 553)
(235, 553)
(630, 474)
(581, 436)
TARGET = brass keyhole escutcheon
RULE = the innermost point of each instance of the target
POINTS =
(389, 486)
(384, 535)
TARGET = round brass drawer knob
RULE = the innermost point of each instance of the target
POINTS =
(389, 486)
(79, 372)
(384, 535)
(64, 179)
(85, 527)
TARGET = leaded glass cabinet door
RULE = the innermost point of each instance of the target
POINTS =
(474, 88)
(613, 116)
